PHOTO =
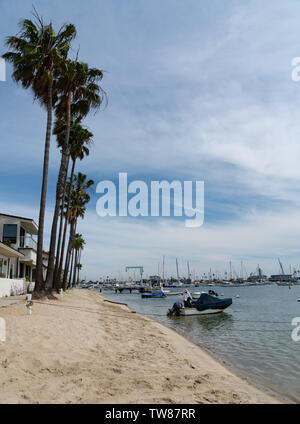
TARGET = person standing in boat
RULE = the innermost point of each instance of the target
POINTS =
(187, 298)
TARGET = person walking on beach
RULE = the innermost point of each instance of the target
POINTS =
(187, 298)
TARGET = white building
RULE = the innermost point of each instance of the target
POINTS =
(18, 235)
(9, 286)
(7, 254)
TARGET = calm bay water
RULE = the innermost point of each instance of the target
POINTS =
(253, 336)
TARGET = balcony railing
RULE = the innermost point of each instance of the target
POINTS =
(22, 242)
(27, 242)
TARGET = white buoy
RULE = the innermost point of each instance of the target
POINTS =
(237, 296)
(29, 304)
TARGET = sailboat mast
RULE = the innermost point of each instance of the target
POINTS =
(177, 269)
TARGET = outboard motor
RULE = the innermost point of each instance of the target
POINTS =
(175, 310)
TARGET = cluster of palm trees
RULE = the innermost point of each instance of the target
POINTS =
(69, 90)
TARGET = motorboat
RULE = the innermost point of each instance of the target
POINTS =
(205, 304)
(175, 284)
(154, 295)
(170, 293)
(196, 294)
(154, 291)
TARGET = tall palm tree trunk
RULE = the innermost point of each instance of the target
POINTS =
(68, 255)
(61, 220)
(58, 272)
(59, 195)
(73, 261)
(79, 262)
(75, 268)
(39, 285)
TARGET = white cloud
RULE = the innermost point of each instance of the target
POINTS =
(113, 243)
(214, 100)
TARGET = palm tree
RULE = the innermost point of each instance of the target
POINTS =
(79, 267)
(79, 92)
(80, 138)
(79, 199)
(36, 52)
(78, 244)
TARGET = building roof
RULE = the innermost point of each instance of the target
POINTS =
(28, 223)
(9, 251)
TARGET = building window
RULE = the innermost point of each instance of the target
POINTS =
(10, 232)
(27, 271)
(1, 268)
(22, 237)
(21, 270)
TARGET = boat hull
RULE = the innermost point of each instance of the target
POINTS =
(153, 295)
(207, 304)
(194, 311)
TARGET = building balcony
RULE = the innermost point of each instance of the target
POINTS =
(27, 242)
(21, 242)
(29, 256)
(27, 246)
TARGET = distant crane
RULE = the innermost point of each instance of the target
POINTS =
(136, 267)
(283, 272)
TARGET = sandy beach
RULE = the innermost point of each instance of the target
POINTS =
(82, 349)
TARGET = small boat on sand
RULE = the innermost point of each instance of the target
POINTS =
(206, 304)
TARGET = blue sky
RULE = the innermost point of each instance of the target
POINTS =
(197, 91)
